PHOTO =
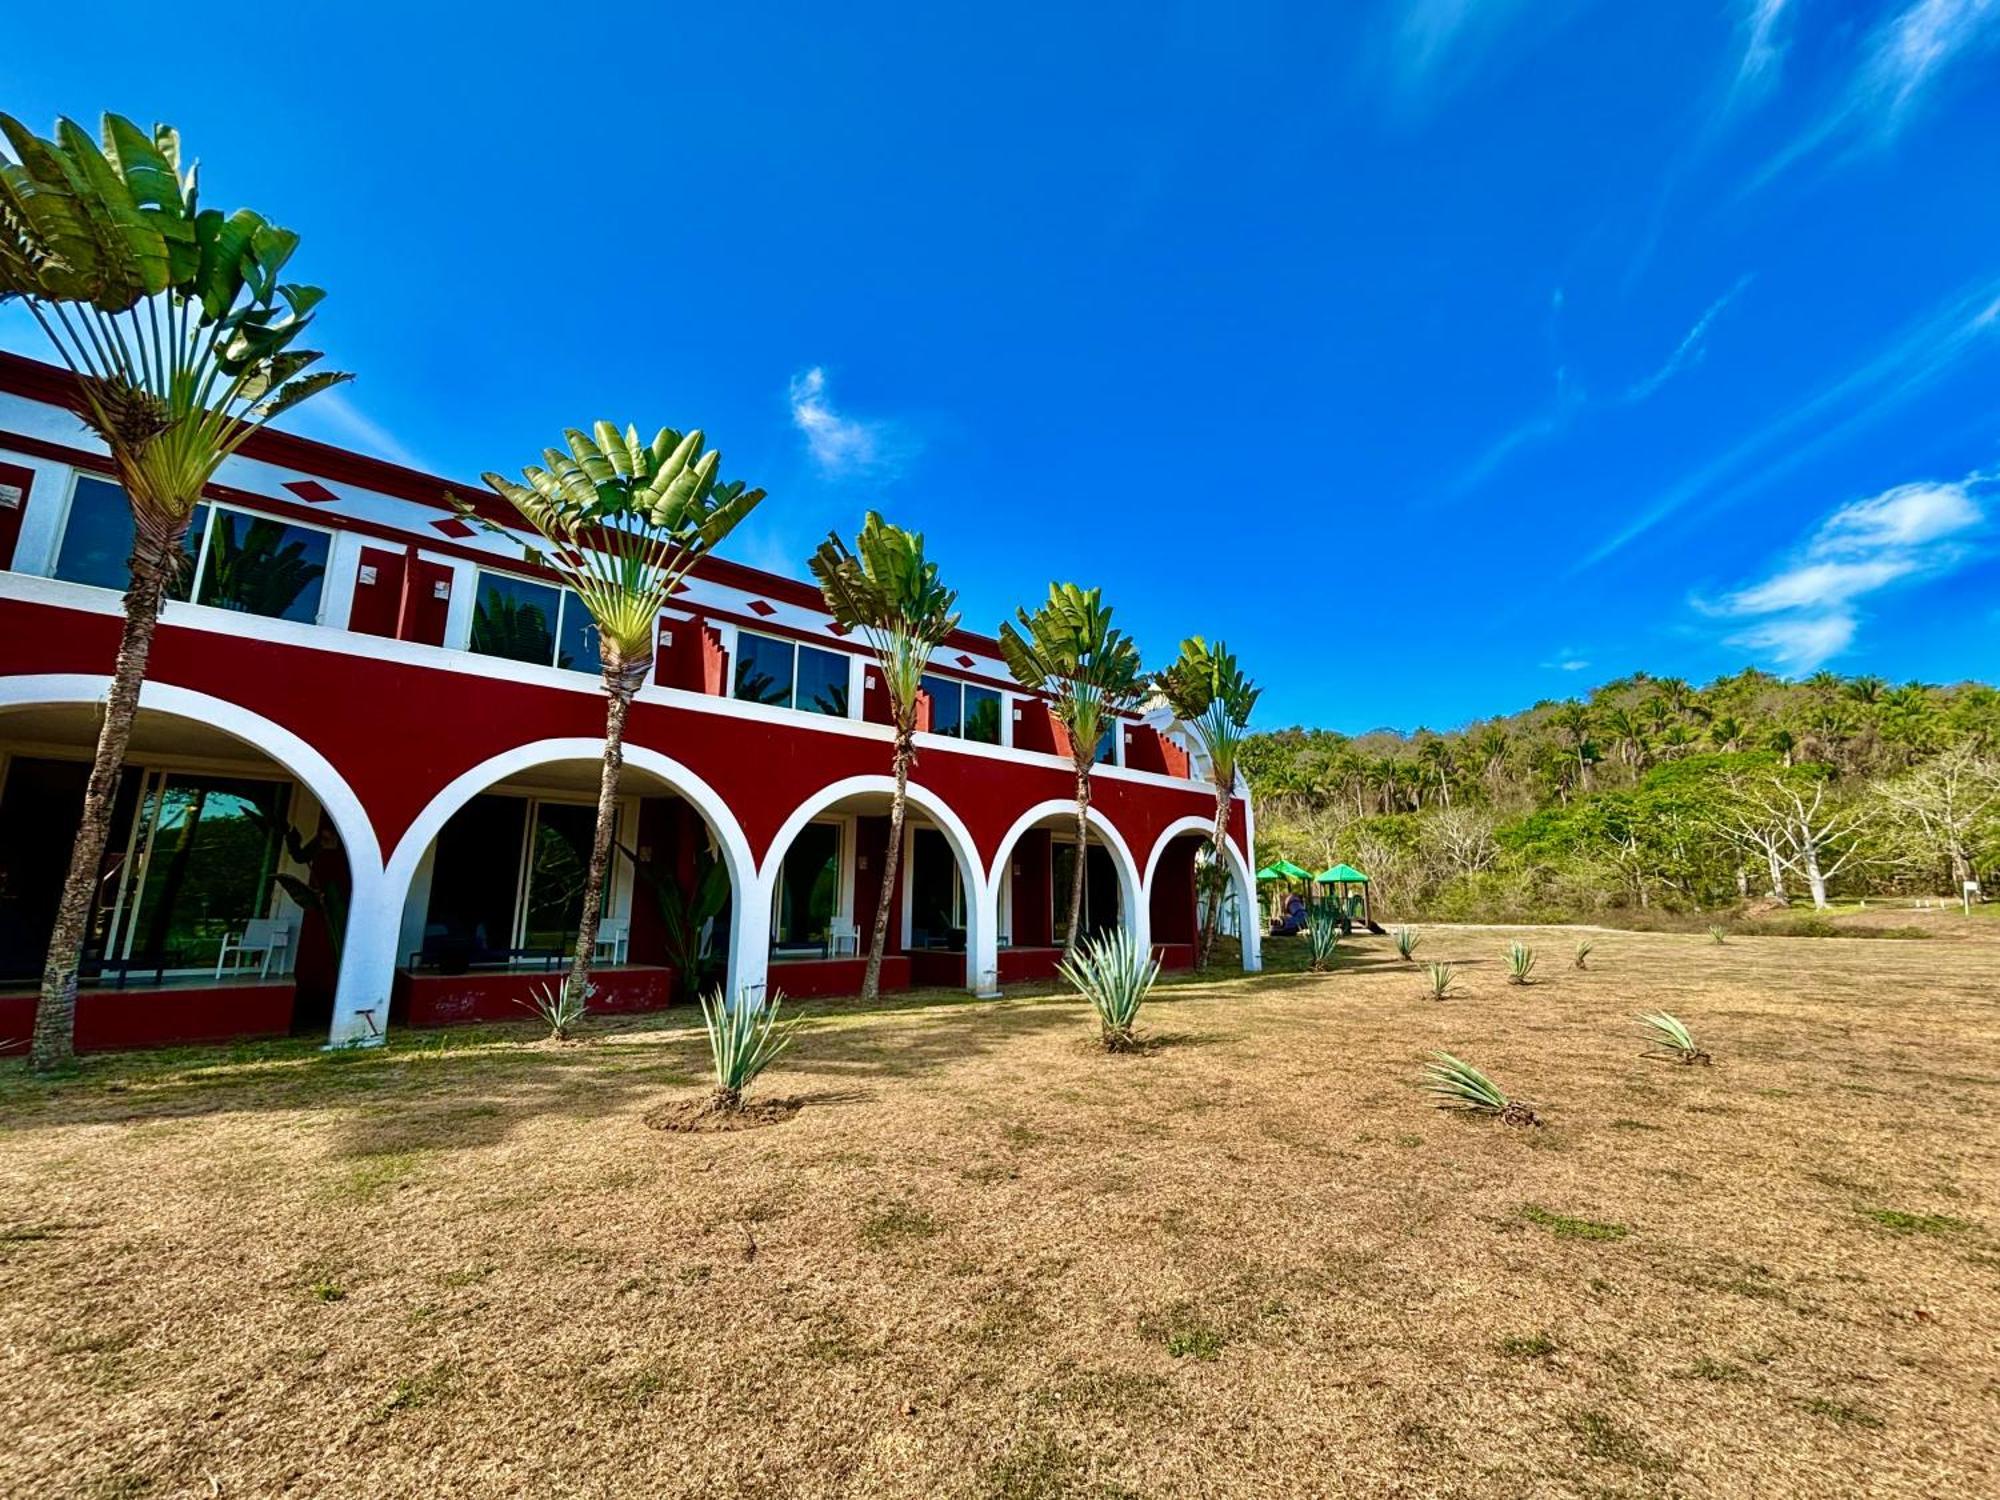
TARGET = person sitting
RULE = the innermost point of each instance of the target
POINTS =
(1293, 921)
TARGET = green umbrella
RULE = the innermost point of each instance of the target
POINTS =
(1342, 875)
(1283, 869)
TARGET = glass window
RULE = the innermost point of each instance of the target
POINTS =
(982, 715)
(515, 618)
(475, 883)
(1107, 744)
(787, 675)
(937, 898)
(208, 847)
(263, 567)
(763, 669)
(558, 860)
(822, 682)
(945, 704)
(576, 642)
(97, 539)
(808, 894)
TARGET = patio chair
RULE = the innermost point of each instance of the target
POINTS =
(614, 933)
(841, 933)
(266, 938)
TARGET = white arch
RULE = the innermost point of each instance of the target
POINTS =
(315, 771)
(1239, 871)
(1131, 889)
(384, 926)
(980, 921)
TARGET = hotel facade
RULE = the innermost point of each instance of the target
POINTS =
(362, 782)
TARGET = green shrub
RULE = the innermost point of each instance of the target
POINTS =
(1459, 1085)
(1110, 973)
(743, 1040)
(1584, 948)
(1520, 963)
(1665, 1034)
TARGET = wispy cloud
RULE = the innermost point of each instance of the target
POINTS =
(1902, 63)
(1438, 45)
(1691, 347)
(1915, 359)
(1806, 610)
(841, 446)
(1763, 46)
(1568, 659)
(332, 417)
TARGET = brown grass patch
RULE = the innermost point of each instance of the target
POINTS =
(988, 1260)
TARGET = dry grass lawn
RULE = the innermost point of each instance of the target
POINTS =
(987, 1260)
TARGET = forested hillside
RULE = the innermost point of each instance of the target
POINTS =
(1654, 795)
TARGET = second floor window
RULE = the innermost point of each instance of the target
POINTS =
(961, 709)
(522, 620)
(235, 560)
(785, 674)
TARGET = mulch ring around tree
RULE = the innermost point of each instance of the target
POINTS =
(701, 1117)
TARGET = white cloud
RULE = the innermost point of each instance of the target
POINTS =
(332, 417)
(1566, 659)
(1439, 45)
(1691, 347)
(1762, 49)
(1807, 610)
(1903, 62)
(840, 445)
(1917, 358)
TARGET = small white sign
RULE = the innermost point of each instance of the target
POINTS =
(11, 496)
(441, 590)
(367, 572)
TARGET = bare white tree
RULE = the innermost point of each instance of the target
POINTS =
(1949, 799)
(1819, 833)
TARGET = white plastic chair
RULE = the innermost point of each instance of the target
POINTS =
(267, 938)
(614, 933)
(840, 933)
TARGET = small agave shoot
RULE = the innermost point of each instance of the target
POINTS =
(1323, 934)
(1520, 963)
(1584, 948)
(1719, 934)
(560, 1007)
(1109, 972)
(1407, 939)
(744, 1039)
(1439, 979)
(1666, 1036)
(1459, 1085)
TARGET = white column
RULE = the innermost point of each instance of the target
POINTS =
(982, 933)
(367, 963)
(750, 939)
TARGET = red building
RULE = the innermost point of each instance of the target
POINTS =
(361, 787)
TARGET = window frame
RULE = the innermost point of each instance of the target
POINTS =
(791, 705)
(565, 598)
(963, 690)
(208, 532)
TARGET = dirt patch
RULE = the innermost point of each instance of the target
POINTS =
(701, 1117)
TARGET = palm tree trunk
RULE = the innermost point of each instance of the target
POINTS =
(871, 979)
(55, 1016)
(1214, 900)
(1073, 936)
(620, 682)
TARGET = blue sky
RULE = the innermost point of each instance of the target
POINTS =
(1440, 356)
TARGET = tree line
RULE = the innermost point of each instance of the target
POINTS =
(1651, 793)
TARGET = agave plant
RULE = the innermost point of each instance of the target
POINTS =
(1459, 1085)
(1323, 937)
(1520, 963)
(1719, 934)
(1407, 939)
(559, 1006)
(1667, 1036)
(743, 1040)
(1441, 978)
(1584, 948)
(184, 340)
(1110, 973)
